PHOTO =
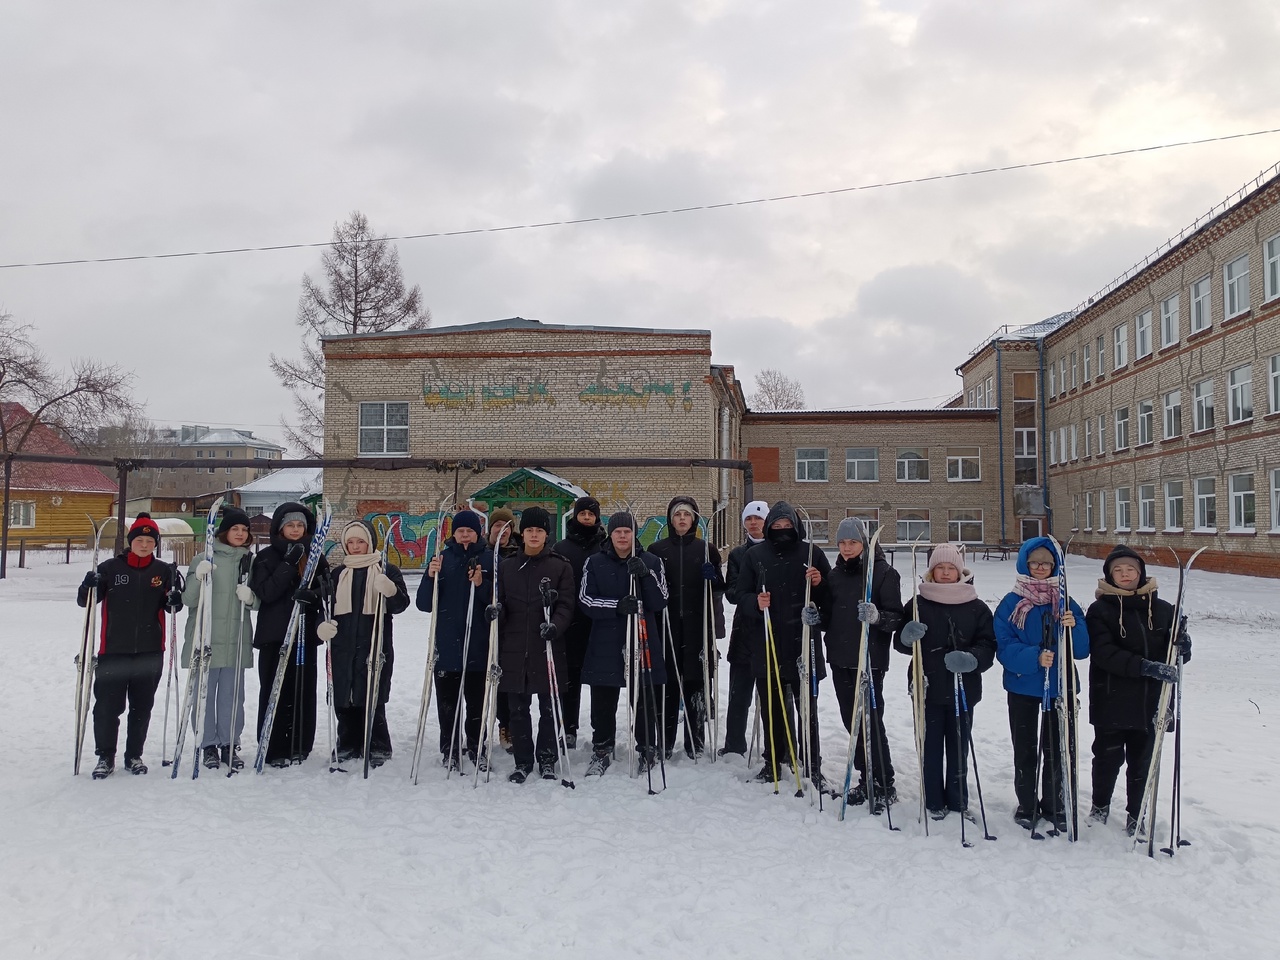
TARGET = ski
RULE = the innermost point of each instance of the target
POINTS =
(808, 676)
(1067, 704)
(86, 659)
(201, 654)
(553, 686)
(492, 674)
(375, 662)
(918, 685)
(861, 682)
(291, 637)
(424, 705)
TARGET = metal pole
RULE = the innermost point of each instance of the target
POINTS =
(4, 520)
(122, 471)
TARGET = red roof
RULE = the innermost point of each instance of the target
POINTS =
(54, 477)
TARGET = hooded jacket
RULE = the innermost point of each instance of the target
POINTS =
(605, 581)
(455, 589)
(683, 556)
(840, 611)
(274, 582)
(779, 565)
(965, 626)
(1018, 648)
(739, 649)
(231, 620)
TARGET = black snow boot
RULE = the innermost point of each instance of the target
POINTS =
(520, 774)
(1100, 814)
(230, 756)
(135, 766)
(547, 769)
(209, 757)
(106, 766)
(600, 761)
(858, 795)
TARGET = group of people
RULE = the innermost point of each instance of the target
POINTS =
(597, 609)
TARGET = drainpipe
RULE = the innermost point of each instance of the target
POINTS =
(1044, 438)
(1004, 533)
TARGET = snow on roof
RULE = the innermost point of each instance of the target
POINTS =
(56, 477)
(560, 482)
(228, 437)
(300, 480)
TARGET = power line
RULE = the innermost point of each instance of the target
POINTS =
(655, 213)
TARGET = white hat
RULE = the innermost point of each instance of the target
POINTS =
(756, 508)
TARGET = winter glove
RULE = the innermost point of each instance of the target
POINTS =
(708, 571)
(913, 632)
(327, 630)
(205, 568)
(384, 585)
(91, 580)
(492, 612)
(960, 661)
(637, 567)
(809, 615)
(1184, 645)
(308, 598)
(173, 600)
(628, 606)
(548, 595)
(868, 613)
(1159, 671)
(245, 595)
(547, 631)
(294, 551)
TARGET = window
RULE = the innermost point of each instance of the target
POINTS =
(1142, 333)
(1240, 390)
(1173, 414)
(1053, 381)
(200, 453)
(1121, 340)
(1101, 344)
(1206, 504)
(384, 429)
(862, 464)
(1088, 436)
(213, 453)
(817, 524)
(22, 513)
(811, 464)
(226, 454)
(1075, 455)
(1102, 511)
(1088, 510)
(1053, 447)
(964, 526)
(1088, 362)
(1169, 322)
(1062, 375)
(261, 454)
(1102, 434)
(1203, 394)
(1075, 511)
(913, 525)
(1273, 387)
(1122, 428)
(989, 392)
(969, 398)
(1200, 316)
(1242, 514)
(1146, 422)
(1271, 268)
(1026, 461)
(1235, 287)
(1122, 510)
(227, 470)
(1147, 507)
(964, 463)
(1275, 500)
(1073, 369)
(913, 464)
(870, 517)
(1173, 505)
(1062, 444)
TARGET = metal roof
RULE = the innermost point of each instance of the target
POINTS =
(511, 323)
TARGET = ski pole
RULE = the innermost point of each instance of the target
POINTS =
(968, 731)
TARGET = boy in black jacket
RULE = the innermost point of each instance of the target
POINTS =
(135, 590)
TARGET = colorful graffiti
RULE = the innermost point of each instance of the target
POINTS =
(622, 393)
(410, 538)
(524, 388)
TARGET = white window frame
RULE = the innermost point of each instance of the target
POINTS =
(1101, 354)
(1243, 503)
(1075, 512)
(1173, 414)
(956, 527)
(1273, 384)
(857, 463)
(1271, 267)
(1170, 321)
(1121, 428)
(1202, 411)
(1147, 508)
(818, 524)
(958, 462)
(902, 471)
(1053, 380)
(1062, 376)
(1102, 511)
(989, 391)
(1275, 501)
(1074, 370)
(1142, 335)
(912, 532)
(1170, 512)
(1201, 305)
(1053, 447)
(1075, 452)
(1120, 341)
(1088, 436)
(367, 431)
(1235, 287)
(22, 515)
(1088, 510)
(1146, 422)
(1085, 352)
(1102, 434)
(1124, 509)
(809, 464)
(1205, 503)
(1240, 394)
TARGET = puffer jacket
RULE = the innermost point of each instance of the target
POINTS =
(231, 620)
(1124, 631)
(840, 611)
(605, 581)
(455, 589)
(522, 653)
(274, 583)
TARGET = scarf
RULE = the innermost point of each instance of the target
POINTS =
(1147, 590)
(1034, 593)
(948, 593)
(342, 598)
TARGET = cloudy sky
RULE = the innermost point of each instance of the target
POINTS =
(146, 128)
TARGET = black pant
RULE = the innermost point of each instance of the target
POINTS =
(785, 721)
(575, 640)
(738, 713)
(1112, 749)
(521, 726)
(351, 731)
(293, 731)
(604, 717)
(845, 680)
(695, 709)
(448, 687)
(117, 678)
(1025, 720)
(945, 737)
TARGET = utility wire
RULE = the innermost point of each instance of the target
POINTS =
(655, 213)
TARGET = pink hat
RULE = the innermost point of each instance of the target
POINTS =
(951, 553)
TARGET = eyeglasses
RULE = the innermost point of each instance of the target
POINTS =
(1041, 564)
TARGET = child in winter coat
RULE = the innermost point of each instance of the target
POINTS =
(502, 537)
(1027, 627)
(957, 643)
(1129, 633)
(231, 643)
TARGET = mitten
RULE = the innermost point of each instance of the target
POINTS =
(913, 632)
(708, 571)
(1159, 671)
(327, 630)
(384, 585)
(960, 661)
(492, 612)
(91, 580)
(809, 615)
(173, 600)
(547, 631)
(637, 567)
(868, 613)
(628, 606)
(244, 594)
(204, 568)
(308, 598)
(294, 551)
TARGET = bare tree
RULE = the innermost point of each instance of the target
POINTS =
(74, 403)
(776, 391)
(362, 291)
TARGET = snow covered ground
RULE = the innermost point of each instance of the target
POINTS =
(302, 862)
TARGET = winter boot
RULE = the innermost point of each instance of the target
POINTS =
(646, 760)
(1023, 818)
(766, 773)
(600, 760)
(106, 766)
(858, 795)
(1131, 827)
(482, 763)
(547, 769)
(939, 814)
(571, 740)
(884, 797)
(230, 756)
(1100, 814)
(209, 757)
(378, 754)
(519, 774)
(135, 765)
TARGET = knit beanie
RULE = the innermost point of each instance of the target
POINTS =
(1121, 552)
(500, 516)
(851, 528)
(232, 516)
(587, 503)
(621, 520)
(295, 516)
(948, 553)
(360, 531)
(469, 519)
(144, 526)
(756, 508)
(534, 517)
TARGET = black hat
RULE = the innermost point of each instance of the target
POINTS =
(532, 517)
(1126, 552)
(230, 517)
(586, 503)
(621, 519)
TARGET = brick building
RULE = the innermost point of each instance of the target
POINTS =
(200, 443)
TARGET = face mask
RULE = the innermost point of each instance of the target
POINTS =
(786, 535)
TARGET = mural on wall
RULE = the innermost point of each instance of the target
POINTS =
(635, 389)
(409, 539)
(521, 386)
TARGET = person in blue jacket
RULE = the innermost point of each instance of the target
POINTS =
(1026, 623)
(464, 561)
